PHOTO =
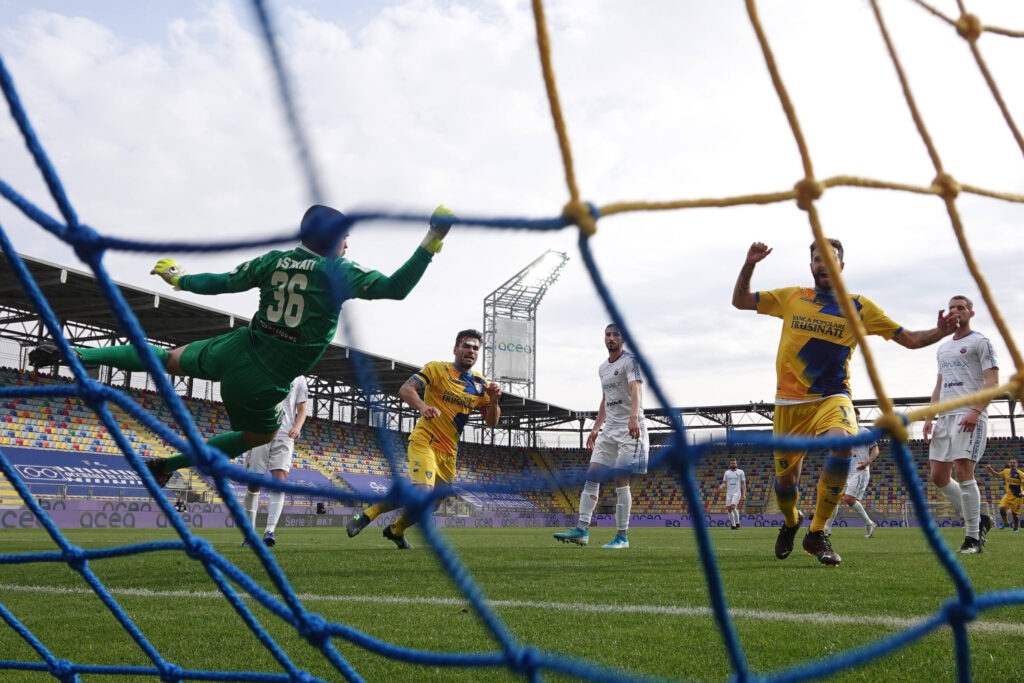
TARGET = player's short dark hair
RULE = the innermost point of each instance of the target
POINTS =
(323, 228)
(612, 326)
(836, 244)
(970, 304)
(469, 334)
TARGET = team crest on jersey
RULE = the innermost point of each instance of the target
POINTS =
(616, 373)
(963, 349)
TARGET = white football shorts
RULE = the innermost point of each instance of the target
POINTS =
(276, 455)
(950, 444)
(732, 497)
(857, 482)
(615, 448)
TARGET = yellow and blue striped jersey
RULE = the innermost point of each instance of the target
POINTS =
(456, 394)
(813, 360)
(1014, 479)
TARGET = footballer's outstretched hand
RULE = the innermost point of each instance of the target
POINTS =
(169, 270)
(440, 224)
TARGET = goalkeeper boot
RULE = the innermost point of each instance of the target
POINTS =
(47, 355)
(971, 546)
(358, 522)
(156, 468)
(784, 541)
(818, 544)
(984, 525)
(574, 535)
(399, 539)
(269, 540)
(617, 543)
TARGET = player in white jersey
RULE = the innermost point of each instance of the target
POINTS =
(622, 446)
(276, 457)
(857, 481)
(734, 481)
(967, 364)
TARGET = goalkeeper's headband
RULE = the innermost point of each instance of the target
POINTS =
(323, 229)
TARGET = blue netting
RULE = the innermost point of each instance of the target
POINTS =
(90, 246)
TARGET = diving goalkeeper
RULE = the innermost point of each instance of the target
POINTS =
(301, 293)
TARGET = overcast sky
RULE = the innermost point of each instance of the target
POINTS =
(163, 120)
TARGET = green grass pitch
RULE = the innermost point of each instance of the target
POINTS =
(642, 610)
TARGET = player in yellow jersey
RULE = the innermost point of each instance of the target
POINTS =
(451, 392)
(1014, 497)
(813, 394)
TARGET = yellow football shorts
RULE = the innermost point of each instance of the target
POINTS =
(810, 419)
(428, 464)
(1012, 503)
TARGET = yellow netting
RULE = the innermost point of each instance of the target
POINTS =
(809, 189)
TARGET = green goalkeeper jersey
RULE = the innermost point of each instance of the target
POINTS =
(301, 294)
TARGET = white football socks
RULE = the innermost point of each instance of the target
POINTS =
(623, 502)
(588, 501)
(252, 505)
(953, 494)
(862, 512)
(274, 509)
(972, 507)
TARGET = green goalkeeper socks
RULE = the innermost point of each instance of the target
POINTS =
(232, 444)
(122, 357)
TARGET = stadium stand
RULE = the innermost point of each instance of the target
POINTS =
(334, 449)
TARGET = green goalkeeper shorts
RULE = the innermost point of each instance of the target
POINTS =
(251, 395)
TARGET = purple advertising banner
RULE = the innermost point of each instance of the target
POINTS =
(55, 472)
(299, 477)
(146, 514)
(376, 485)
(97, 514)
(367, 484)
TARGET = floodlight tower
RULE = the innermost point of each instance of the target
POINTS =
(510, 331)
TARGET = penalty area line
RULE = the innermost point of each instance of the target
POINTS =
(895, 623)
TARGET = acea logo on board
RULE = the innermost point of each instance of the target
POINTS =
(515, 347)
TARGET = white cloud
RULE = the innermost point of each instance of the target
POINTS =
(178, 132)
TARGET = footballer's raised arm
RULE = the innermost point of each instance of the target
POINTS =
(742, 297)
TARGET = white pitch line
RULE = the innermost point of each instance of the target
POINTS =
(896, 623)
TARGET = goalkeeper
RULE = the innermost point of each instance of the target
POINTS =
(301, 293)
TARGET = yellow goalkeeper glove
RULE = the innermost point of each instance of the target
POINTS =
(440, 224)
(169, 270)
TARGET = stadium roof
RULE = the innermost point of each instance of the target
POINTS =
(76, 298)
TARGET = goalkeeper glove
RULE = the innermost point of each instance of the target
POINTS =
(169, 270)
(440, 224)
